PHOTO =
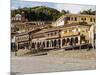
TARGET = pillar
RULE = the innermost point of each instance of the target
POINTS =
(45, 44)
(79, 40)
(17, 46)
(61, 43)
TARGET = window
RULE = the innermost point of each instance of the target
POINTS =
(55, 33)
(68, 18)
(84, 18)
(48, 34)
(81, 18)
(72, 18)
(76, 39)
(75, 19)
(94, 19)
(90, 19)
(82, 38)
(51, 34)
(63, 42)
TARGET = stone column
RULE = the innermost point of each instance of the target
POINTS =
(60, 42)
(36, 45)
(30, 45)
(45, 44)
(79, 40)
(57, 45)
(16, 49)
(51, 43)
(17, 46)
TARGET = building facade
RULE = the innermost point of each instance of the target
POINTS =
(75, 19)
(22, 41)
(27, 26)
(65, 32)
(56, 37)
(60, 37)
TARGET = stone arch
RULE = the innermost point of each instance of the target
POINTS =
(68, 40)
(47, 43)
(71, 41)
(21, 46)
(33, 45)
(27, 45)
(18, 46)
(76, 39)
(59, 42)
(43, 44)
(63, 42)
(38, 45)
(55, 43)
(82, 38)
(52, 43)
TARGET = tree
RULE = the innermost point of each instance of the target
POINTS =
(39, 13)
(65, 12)
(88, 12)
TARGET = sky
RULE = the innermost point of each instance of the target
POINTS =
(73, 8)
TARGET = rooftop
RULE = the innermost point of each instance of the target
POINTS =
(59, 28)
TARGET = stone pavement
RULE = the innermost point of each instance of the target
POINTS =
(45, 63)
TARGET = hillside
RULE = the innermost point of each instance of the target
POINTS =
(39, 13)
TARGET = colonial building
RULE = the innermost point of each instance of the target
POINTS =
(60, 37)
(65, 32)
(19, 18)
(27, 26)
(16, 18)
(22, 41)
(56, 37)
(75, 19)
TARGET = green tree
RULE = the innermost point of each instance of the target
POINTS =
(39, 13)
(88, 12)
(65, 12)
